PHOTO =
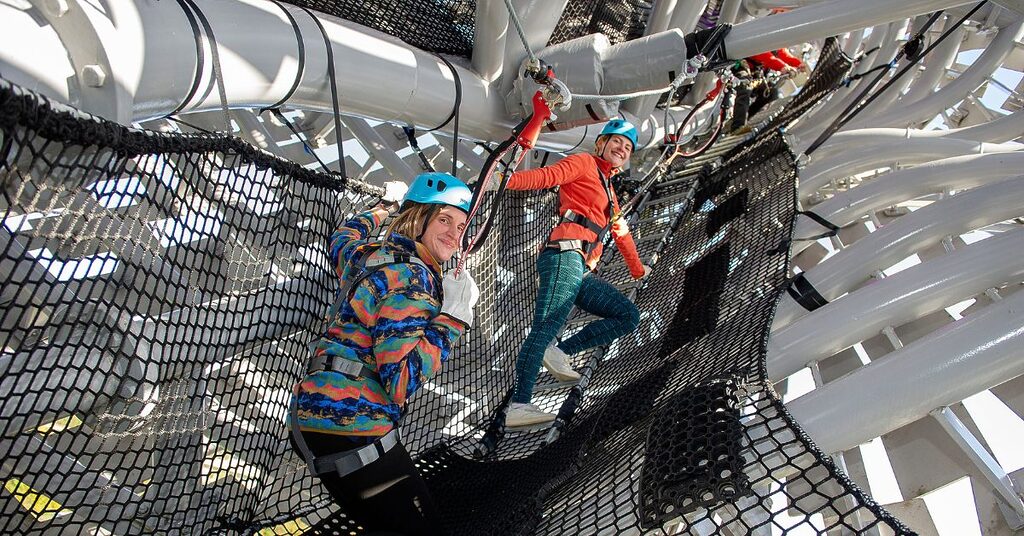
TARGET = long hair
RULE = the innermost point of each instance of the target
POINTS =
(413, 219)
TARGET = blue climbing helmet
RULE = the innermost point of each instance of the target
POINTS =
(622, 128)
(436, 188)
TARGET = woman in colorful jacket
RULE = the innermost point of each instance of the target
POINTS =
(589, 208)
(394, 324)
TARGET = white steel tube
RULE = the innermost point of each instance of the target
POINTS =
(1000, 130)
(661, 14)
(824, 114)
(855, 264)
(917, 113)
(958, 172)
(822, 19)
(489, 33)
(686, 15)
(975, 353)
(885, 152)
(895, 301)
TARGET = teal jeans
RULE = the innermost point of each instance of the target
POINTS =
(564, 282)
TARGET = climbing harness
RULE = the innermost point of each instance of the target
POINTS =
(342, 463)
(571, 216)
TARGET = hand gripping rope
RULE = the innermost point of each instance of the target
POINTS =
(516, 147)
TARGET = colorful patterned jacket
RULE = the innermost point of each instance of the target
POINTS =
(391, 324)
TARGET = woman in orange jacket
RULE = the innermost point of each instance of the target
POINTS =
(589, 209)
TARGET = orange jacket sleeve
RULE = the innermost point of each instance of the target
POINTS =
(565, 170)
(624, 242)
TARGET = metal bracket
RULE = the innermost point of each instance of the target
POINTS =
(1010, 500)
(94, 88)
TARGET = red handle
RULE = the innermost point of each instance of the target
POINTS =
(541, 113)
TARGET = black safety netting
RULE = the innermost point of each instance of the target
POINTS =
(619, 20)
(439, 26)
(833, 66)
(159, 292)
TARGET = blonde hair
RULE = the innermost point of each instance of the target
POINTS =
(413, 219)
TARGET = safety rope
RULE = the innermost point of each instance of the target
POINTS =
(859, 104)
(522, 34)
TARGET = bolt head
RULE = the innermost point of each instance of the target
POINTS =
(56, 8)
(93, 75)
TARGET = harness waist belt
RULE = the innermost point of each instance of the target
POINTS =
(336, 363)
(579, 219)
(345, 463)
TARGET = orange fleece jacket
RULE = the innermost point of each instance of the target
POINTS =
(580, 190)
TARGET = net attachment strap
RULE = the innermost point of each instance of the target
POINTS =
(192, 12)
(804, 293)
(300, 69)
(833, 230)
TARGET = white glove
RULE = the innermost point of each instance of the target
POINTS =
(394, 191)
(460, 296)
(647, 271)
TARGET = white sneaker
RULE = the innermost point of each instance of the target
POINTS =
(557, 363)
(519, 414)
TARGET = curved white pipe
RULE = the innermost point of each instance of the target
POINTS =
(975, 353)
(381, 77)
(958, 172)
(917, 113)
(490, 30)
(999, 130)
(829, 17)
(852, 42)
(895, 301)
(954, 215)
(885, 152)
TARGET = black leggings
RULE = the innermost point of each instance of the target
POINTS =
(386, 497)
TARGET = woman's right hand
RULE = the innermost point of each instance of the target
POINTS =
(460, 296)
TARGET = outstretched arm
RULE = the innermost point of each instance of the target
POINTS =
(352, 234)
(566, 170)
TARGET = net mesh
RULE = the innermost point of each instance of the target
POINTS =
(619, 20)
(439, 26)
(160, 291)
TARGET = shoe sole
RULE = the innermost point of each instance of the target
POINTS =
(561, 376)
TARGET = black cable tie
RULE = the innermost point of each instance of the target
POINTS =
(300, 69)
(804, 293)
(410, 134)
(334, 92)
(200, 54)
(454, 115)
(218, 74)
